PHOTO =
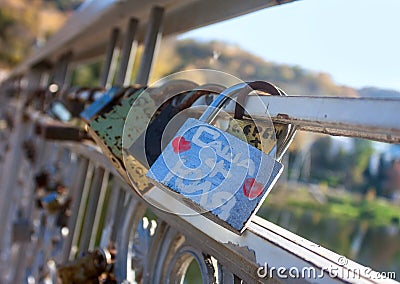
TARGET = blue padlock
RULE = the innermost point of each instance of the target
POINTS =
(98, 105)
(215, 173)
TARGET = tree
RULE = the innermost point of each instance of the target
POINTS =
(362, 150)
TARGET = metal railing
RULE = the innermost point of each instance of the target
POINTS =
(140, 242)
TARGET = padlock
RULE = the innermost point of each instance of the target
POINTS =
(29, 148)
(157, 130)
(107, 99)
(56, 130)
(107, 128)
(71, 99)
(85, 269)
(214, 172)
(147, 147)
(60, 111)
(56, 201)
(21, 230)
(258, 134)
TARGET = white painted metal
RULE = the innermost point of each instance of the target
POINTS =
(86, 32)
(269, 243)
(107, 70)
(90, 212)
(126, 52)
(82, 205)
(76, 192)
(153, 36)
(99, 209)
(339, 116)
(12, 162)
(357, 117)
(163, 250)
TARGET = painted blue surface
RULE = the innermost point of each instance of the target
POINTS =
(50, 197)
(99, 104)
(212, 173)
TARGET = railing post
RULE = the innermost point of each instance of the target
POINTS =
(132, 216)
(111, 216)
(111, 54)
(98, 210)
(120, 79)
(80, 211)
(61, 72)
(153, 35)
(90, 215)
(12, 162)
(76, 192)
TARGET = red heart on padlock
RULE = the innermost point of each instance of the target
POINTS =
(252, 189)
(180, 144)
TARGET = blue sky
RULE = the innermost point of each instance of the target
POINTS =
(356, 41)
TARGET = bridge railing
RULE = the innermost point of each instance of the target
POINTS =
(137, 241)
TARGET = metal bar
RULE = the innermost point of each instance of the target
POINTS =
(90, 215)
(110, 218)
(12, 162)
(262, 240)
(86, 30)
(376, 119)
(107, 71)
(131, 63)
(76, 192)
(260, 245)
(20, 263)
(153, 35)
(100, 207)
(134, 212)
(80, 212)
(61, 70)
(369, 118)
(118, 217)
(126, 52)
(25, 204)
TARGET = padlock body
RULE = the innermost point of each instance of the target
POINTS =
(97, 106)
(21, 230)
(216, 174)
(107, 130)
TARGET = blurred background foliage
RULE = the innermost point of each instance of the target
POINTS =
(26, 24)
(341, 193)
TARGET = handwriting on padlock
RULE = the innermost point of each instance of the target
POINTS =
(213, 167)
(217, 173)
(221, 150)
(216, 159)
(202, 188)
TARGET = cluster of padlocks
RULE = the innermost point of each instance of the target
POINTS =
(130, 125)
(197, 143)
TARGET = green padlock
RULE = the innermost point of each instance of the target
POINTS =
(107, 128)
(260, 134)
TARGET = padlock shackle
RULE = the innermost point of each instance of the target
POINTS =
(215, 107)
(262, 86)
(234, 91)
